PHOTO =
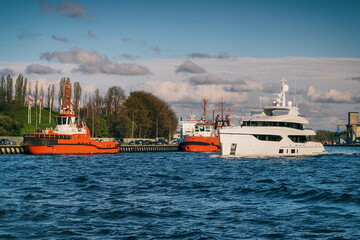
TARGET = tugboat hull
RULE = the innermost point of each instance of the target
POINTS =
(201, 144)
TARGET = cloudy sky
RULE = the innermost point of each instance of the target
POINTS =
(184, 51)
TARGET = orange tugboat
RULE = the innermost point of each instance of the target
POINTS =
(69, 136)
(205, 137)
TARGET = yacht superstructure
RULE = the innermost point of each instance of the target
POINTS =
(276, 131)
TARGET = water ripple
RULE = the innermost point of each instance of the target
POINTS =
(180, 196)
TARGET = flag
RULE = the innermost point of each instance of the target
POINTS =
(72, 104)
(30, 99)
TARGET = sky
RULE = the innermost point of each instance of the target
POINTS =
(184, 51)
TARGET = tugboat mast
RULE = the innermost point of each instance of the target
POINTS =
(204, 115)
(222, 109)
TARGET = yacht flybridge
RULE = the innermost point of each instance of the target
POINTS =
(276, 131)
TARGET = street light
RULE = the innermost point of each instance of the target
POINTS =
(170, 132)
(157, 126)
(132, 129)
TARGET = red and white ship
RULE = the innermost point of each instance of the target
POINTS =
(205, 137)
(70, 136)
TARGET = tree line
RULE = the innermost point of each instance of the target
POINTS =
(113, 114)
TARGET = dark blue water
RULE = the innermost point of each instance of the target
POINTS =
(180, 196)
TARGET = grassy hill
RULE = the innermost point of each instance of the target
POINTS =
(20, 114)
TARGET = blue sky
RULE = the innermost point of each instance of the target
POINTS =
(197, 46)
(240, 28)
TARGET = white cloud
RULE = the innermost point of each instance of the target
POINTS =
(331, 96)
(68, 9)
(90, 34)
(206, 80)
(190, 67)
(186, 92)
(92, 62)
(7, 71)
(28, 35)
(60, 39)
(40, 69)
(236, 80)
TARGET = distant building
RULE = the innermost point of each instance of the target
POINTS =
(354, 125)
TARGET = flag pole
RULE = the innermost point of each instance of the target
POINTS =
(36, 116)
(50, 111)
(29, 113)
(40, 111)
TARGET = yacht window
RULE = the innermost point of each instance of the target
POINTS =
(273, 138)
(298, 138)
(273, 124)
(281, 150)
(279, 112)
(233, 149)
(292, 150)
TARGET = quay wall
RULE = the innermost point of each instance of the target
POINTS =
(149, 148)
(12, 149)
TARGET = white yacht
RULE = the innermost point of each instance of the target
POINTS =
(276, 131)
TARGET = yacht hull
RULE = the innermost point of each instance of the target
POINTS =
(245, 144)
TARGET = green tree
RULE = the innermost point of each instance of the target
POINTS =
(9, 127)
(77, 96)
(149, 110)
(20, 90)
(98, 100)
(52, 95)
(115, 98)
(9, 89)
(61, 96)
(2, 89)
(24, 92)
(121, 128)
(19, 84)
(325, 135)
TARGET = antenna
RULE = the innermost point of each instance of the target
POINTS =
(260, 92)
(222, 108)
(295, 104)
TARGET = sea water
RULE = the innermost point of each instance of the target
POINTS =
(180, 195)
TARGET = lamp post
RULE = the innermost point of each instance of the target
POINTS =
(157, 126)
(170, 132)
(132, 129)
